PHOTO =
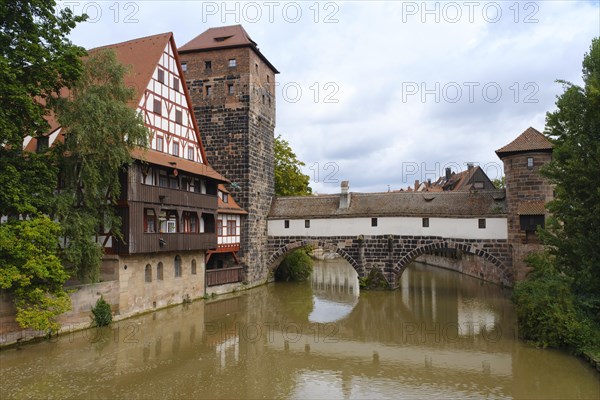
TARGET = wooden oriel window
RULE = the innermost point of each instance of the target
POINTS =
(149, 220)
(231, 228)
(167, 220)
(190, 222)
(163, 181)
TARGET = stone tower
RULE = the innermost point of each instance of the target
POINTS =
(232, 88)
(527, 193)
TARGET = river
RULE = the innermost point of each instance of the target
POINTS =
(441, 335)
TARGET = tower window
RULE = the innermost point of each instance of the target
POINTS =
(208, 90)
(481, 223)
(268, 78)
(230, 88)
(256, 66)
(425, 222)
(232, 62)
(184, 67)
(207, 64)
(529, 162)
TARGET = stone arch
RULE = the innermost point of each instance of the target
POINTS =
(429, 248)
(278, 255)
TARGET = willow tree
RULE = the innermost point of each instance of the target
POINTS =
(101, 129)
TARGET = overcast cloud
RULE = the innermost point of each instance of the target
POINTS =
(381, 93)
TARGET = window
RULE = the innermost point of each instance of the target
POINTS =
(286, 224)
(307, 223)
(529, 162)
(194, 267)
(190, 154)
(481, 223)
(159, 271)
(178, 117)
(161, 75)
(219, 227)
(531, 222)
(178, 269)
(425, 222)
(208, 90)
(159, 143)
(225, 198)
(207, 64)
(42, 143)
(231, 228)
(478, 185)
(148, 273)
(163, 181)
(167, 220)
(176, 149)
(149, 220)
(230, 88)
(190, 222)
(157, 107)
(173, 182)
(268, 78)
(176, 84)
(232, 62)
(184, 67)
(373, 221)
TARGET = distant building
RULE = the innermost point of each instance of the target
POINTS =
(473, 178)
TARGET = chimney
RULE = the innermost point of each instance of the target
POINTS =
(469, 166)
(345, 195)
(448, 173)
(416, 185)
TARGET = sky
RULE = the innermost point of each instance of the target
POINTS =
(382, 93)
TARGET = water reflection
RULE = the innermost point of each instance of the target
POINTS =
(275, 342)
(335, 291)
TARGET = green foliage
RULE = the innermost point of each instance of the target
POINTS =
(289, 179)
(572, 235)
(499, 183)
(32, 272)
(101, 313)
(375, 280)
(101, 130)
(296, 266)
(37, 61)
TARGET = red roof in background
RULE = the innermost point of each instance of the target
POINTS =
(222, 38)
(530, 140)
(231, 207)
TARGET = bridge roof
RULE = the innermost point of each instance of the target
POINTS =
(489, 203)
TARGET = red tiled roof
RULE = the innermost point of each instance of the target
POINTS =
(231, 207)
(530, 140)
(531, 208)
(167, 160)
(222, 38)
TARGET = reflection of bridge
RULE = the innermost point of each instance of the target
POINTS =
(386, 231)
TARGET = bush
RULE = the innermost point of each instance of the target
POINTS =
(547, 311)
(296, 266)
(101, 313)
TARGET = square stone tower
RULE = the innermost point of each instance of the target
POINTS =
(232, 88)
(527, 193)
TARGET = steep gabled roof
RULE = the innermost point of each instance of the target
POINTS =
(224, 37)
(530, 140)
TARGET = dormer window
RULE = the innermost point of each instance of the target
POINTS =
(222, 38)
(225, 198)
(42, 143)
(232, 62)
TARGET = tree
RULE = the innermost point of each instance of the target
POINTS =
(289, 179)
(575, 170)
(499, 183)
(100, 131)
(32, 271)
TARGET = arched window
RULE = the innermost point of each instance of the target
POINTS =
(194, 267)
(148, 273)
(159, 271)
(177, 267)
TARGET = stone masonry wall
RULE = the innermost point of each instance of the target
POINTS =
(524, 184)
(392, 253)
(237, 131)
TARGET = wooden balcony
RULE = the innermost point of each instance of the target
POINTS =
(223, 276)
(152, 243)
(168, 196)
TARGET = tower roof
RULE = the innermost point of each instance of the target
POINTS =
(530, 140)
(224, 37)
